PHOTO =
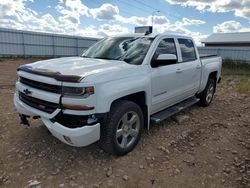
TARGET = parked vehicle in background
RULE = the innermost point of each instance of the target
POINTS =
(119, 86)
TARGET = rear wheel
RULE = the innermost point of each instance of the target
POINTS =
(207, 95)
(121, 130)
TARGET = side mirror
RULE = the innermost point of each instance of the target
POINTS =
(167, 57)
(164, 59)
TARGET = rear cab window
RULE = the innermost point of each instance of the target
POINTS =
(187, 50)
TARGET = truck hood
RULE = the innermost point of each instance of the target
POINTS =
(74, 69)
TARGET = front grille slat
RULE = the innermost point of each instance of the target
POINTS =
(40, 85)
(39, 104)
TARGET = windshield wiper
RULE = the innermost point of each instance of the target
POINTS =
(103, 58)
(106, 58)
(96, 57)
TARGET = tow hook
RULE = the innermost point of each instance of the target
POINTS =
(24, 120)
(92, 120)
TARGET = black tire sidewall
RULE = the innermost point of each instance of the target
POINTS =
(117, 111)
(210, 84)
(203, 97)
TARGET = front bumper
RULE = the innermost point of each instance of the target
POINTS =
(78, 137)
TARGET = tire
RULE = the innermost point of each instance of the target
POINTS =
(207, 95)
(122, 128)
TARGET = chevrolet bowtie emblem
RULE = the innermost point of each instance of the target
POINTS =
(27, 91)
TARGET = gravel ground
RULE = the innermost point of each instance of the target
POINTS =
(200, 147)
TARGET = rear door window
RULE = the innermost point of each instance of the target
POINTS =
(187, 50)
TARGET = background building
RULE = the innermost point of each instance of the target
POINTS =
(14, 43)
(27, 43)
(241, 40)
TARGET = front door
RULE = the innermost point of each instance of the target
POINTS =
(164, 78)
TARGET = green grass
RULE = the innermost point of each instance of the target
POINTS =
(230, 67)
(239, 70)
(244, 86)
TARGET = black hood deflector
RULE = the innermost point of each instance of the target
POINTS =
(56, 75)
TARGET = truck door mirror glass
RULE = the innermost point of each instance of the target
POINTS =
(164, 59)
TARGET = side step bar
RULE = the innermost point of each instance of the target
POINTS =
(164, 114)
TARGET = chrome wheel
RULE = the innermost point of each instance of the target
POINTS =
(128, 129)
(210, 93)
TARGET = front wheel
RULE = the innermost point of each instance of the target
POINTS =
(207, 95)
(121, 130)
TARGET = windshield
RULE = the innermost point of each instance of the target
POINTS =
(129, 49)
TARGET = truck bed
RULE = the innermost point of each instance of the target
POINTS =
(203, 56)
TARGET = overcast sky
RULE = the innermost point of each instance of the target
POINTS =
(98, 18)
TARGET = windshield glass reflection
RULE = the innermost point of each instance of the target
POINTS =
(132, 50)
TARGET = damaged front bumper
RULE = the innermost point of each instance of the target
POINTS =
(80, 136)
(74, 136)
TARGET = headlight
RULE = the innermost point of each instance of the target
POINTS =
(78, 91)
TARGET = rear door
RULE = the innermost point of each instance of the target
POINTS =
(190, 73)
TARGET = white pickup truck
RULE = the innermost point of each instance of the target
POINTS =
(118, 87)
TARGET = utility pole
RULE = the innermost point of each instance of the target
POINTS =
(153, 13)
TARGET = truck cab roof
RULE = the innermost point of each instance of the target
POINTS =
(151, 35)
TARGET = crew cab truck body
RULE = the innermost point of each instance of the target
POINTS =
(119, 86)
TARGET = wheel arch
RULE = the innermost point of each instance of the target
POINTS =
(213, 75)
(140, 99)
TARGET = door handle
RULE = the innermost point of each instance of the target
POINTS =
(198, 67)
(178, 71)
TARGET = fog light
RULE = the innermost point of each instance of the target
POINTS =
(67, 139)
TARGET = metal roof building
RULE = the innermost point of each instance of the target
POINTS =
(240, 39)
(28, 43)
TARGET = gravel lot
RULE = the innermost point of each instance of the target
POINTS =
(201, 147)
